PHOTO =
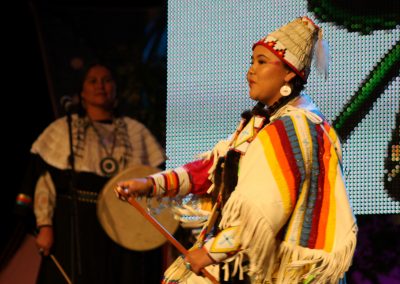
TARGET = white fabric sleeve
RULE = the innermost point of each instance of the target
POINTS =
(171, 183)
(44, 200)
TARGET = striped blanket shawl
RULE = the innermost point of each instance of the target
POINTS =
(297, 223)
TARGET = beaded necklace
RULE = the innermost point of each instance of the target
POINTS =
(107, 167)
(108, 164)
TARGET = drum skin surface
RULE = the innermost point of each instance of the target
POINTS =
(123, 223)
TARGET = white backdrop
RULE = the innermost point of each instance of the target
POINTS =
(209, 50)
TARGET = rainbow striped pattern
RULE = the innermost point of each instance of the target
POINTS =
(23, 199)
(292, 160)
(171, 183)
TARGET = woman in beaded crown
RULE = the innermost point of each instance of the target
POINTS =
(282, 210)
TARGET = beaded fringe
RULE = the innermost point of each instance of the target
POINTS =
(280, 262)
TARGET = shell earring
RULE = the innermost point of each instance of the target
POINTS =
(285, 90)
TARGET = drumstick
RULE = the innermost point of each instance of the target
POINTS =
(166, 234)
(59, 266)
(61, 269)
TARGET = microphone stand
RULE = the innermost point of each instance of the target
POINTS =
(75, 248)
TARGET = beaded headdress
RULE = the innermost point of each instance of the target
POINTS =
(294, 44)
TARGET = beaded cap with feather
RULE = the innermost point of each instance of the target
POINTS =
(294, 44)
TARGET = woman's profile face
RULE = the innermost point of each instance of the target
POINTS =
(99, 88)
(266, 75)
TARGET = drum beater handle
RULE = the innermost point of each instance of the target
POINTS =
(166, 234)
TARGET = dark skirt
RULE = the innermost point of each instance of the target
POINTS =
(97, 259)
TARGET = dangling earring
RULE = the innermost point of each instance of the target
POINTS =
(285, 90)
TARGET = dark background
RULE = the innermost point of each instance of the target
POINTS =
(40, 44)
(120, 33)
